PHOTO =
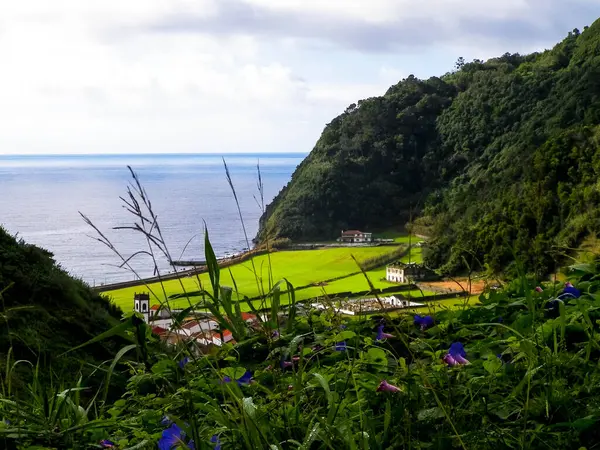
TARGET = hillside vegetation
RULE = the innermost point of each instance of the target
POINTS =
(45, 312)
(497, 158)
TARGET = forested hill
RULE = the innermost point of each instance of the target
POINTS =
(45, 312)
(494, 157)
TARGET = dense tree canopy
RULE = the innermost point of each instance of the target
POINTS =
(498, 157)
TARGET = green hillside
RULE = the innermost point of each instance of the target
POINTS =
(495, 157)
(45, 312)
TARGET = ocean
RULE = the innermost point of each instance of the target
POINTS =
(41, 197)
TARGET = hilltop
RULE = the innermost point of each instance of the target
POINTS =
(495, 152)
(45, 312)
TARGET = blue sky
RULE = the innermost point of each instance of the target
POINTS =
(144, 76)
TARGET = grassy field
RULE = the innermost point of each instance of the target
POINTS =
(299, 267)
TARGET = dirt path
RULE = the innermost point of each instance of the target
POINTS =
(447, 286)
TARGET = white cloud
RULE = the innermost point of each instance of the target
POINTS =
(81, 76)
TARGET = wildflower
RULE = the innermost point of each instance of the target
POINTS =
(340, 346)
(290, 387)
(384, 386)
(342, 327)
(286, 364)
(244, 379)
(553, 307)
(424, 322)
(173, 437)
(275, 334)
(184, 361)
(456, 355)
(295, 358)
(381, 335)
(570, 291)
(105, 443)
(539, 289)
(165, 421)
(215, 440)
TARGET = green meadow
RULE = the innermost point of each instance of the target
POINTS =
(301, 268)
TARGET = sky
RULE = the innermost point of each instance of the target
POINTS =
(221, 76)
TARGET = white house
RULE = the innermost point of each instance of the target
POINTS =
(355, 236)
(394, 273)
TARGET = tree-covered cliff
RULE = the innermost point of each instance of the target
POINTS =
(495, 157)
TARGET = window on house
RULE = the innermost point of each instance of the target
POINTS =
(144, 307)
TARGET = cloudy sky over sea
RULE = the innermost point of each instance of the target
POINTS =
(113, 76)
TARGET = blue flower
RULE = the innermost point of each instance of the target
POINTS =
(456, 355)
(342, 327)
(174, 437)
(275, 334)
(381, 335)
(244, 379)
(570, 291)
(340, 346)
(553, 307)
(215, 440)
(424, 322)
(184, 361)
(105, 443)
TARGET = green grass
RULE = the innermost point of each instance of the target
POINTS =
(398, 237)
(299, 267)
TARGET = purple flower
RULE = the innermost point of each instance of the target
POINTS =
(539, 289)
(215, 440)
(340, 346)
(384, 386)
(424, 322)
(165, 421)
(381, 335)
(286, 364)
(105, 443)
(342, 327)
(173, 437)
(244, 379)
(184, 361)
(570, 291)
(275, 334)
(456, 355)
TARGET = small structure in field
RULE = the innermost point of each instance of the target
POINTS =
(355, 237)
(408, 273)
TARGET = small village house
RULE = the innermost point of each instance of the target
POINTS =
(408, 273)
(355, 237)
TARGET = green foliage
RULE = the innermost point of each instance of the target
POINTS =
(500, 158)
(532, 382)
(45, 312)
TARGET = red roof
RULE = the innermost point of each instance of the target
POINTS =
(190, 324)
(248, 316)
(155, 307)
(351, 232)
(158, 330)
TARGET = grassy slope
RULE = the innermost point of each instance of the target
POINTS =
(299, 267)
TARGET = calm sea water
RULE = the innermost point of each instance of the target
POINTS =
(40, 197)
